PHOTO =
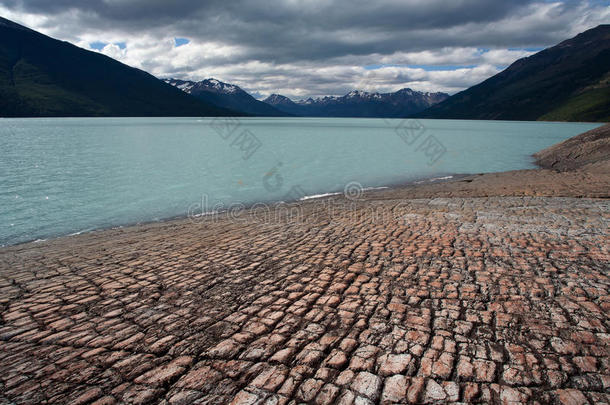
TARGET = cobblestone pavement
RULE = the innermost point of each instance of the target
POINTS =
(502, 300)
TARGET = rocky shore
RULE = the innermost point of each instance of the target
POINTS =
(489, 289)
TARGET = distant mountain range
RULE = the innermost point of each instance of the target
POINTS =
(359, 104)
(44, 77)
(226, 96)
(354, 104)
(567, 82)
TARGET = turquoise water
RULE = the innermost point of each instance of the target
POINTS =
(62, 176)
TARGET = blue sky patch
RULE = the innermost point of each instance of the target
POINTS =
(98, 45)
(428, 68)
(538, 49)
(181, 41)
(432, 68)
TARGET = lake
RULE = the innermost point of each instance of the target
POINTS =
(62, 176)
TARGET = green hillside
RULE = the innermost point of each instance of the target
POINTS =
(590, 104)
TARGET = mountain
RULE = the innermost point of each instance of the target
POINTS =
(225, 95)
(43, 77)
(359, 104)
(282, 103)
(567, 82)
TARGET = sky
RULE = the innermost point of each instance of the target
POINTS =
(314, 48)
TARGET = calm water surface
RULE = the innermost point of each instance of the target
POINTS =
(62, 176)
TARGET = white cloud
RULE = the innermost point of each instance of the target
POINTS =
(114, 51)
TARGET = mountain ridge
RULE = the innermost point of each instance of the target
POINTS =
(225, 95)
(359, 103)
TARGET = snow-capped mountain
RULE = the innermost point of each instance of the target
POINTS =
(278, 100)
(225, 95)
(358, 103)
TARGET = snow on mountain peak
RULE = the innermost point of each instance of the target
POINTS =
(360, 94)
(219, 86)
(186, 87)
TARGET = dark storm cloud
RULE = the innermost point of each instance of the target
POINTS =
(284, 31)
(433, 13)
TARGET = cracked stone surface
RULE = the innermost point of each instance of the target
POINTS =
(489, 300)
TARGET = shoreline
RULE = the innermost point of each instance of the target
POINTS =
(489, 185)
(302, 200)
(539, 182)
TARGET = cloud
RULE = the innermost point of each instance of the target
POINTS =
(315, 47)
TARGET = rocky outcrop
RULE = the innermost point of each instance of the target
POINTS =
(590, 148)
